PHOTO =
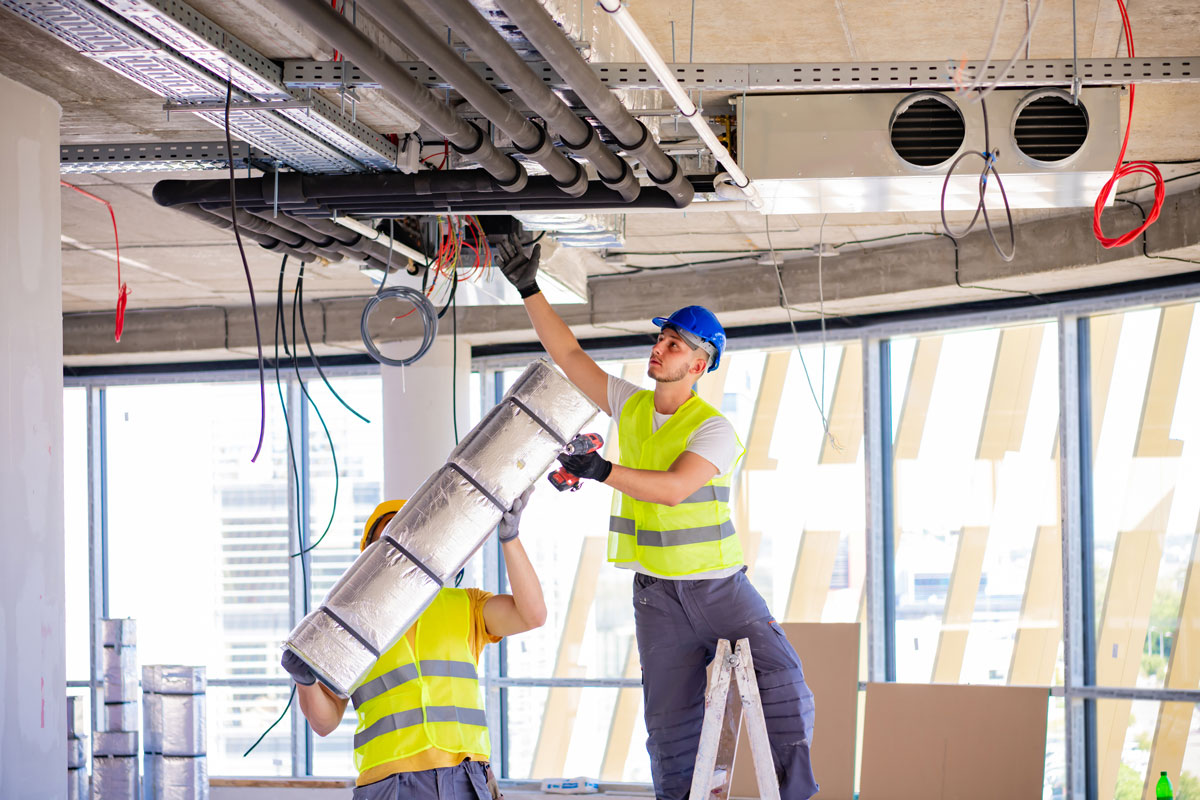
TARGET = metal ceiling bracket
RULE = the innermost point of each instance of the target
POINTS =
(827, 77)
(155, 157)
(241, 105)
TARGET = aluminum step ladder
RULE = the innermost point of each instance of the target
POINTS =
(723, 710)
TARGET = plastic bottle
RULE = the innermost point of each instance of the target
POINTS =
(1163, 791)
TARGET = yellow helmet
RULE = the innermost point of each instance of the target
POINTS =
(382, 513)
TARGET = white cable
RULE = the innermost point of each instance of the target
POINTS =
(982, 93)
(821, 307)
(987, 59)
(796, 337)
(687, 108)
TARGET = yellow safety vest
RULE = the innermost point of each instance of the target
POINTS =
(694, 536)
(415, 699)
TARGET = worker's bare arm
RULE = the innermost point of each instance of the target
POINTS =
(525, 608)
(667, 487)
(320, 707)
(564, 350)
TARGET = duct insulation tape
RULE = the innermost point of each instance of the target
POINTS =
(443, 524)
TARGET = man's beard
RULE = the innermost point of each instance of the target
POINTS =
(679, 375)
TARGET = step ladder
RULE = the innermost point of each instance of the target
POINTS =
(723, 711)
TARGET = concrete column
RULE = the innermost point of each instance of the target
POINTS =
(418, 428)
(33, 721)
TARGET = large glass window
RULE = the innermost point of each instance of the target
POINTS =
(333, 533)
(977, 542)
(1145, 411)
(198, 550)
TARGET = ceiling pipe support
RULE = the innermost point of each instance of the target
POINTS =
(575, 134)
(466, 138)
(529, 139)
(541, 30)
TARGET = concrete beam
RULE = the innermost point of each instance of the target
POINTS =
(1054, 254)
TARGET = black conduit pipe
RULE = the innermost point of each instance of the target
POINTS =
(467, 139)
(529, 139)
(199, 213)
(575, 134)
(334, 191)
(544, 34)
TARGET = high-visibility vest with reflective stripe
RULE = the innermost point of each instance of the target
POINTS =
(694, 536)
(428, 696)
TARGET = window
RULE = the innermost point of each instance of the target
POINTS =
(1145, 393)
(184, 499)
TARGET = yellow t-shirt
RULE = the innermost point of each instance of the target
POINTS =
(434, 758)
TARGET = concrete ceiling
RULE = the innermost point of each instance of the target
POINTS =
(172, 261)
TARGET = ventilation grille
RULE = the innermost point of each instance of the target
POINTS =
(927, 131)
(1050, 128)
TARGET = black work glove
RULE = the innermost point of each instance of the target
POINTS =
(508, 529)
(519, 263)
(589, 465)
(295, 666)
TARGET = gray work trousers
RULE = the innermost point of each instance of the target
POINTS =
(678, 624)
(467, 781)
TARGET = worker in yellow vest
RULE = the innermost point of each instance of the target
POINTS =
(670, 525)
(422, 732)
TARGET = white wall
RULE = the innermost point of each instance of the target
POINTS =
(33, 746)
(418, 429)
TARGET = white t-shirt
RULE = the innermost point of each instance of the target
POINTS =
(713, 440)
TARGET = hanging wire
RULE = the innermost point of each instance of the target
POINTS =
(237, 235)
(989, 157)
(298, 301)
(795, 336)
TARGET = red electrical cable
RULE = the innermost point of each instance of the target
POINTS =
(122, 289)
(1130, 168)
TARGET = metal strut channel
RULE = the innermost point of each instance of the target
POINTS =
(146, 49)
(838, 77)
(154, 156)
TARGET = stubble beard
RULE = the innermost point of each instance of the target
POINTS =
(675, 377)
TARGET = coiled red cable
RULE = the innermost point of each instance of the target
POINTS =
(1131, 168)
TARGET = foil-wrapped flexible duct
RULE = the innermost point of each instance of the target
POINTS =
(119, 639)
(441, 526)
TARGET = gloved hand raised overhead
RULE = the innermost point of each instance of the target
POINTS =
(509, 527)
(588, 465)
(519, 263)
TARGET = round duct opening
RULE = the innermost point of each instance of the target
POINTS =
(927, 129)
(1048, 127)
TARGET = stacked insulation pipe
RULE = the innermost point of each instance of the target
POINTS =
(446, 520)
(174, 733)
(77, 779)
(115, 741)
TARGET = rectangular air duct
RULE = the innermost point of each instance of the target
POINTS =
(870, 152)
(446, 520)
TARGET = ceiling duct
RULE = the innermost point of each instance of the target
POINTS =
(1048, 127)
(927, 129)
(880, 151)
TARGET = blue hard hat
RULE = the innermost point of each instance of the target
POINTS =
(701, 323)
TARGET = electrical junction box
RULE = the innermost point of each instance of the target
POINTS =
(869, 152)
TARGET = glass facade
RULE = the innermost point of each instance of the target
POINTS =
(972, 475)
(1145, 409)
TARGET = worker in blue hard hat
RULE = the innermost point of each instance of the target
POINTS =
(670, 525)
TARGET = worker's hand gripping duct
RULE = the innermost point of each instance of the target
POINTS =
(445, 521)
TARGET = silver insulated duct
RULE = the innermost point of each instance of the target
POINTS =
(445, 521)
(174, 735)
